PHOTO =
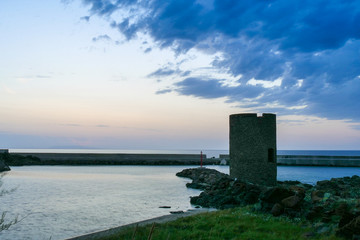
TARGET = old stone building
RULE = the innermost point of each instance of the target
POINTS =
(253, 148)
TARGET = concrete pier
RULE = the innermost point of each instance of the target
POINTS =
(335, 161)
(118, 159)
(312, 160)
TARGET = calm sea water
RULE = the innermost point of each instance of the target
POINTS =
(58, 202)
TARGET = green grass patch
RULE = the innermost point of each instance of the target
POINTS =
(236, 223)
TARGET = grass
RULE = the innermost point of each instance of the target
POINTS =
(236, 223)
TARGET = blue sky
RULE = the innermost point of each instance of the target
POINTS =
(158, 74)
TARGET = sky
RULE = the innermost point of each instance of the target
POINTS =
(136, 74)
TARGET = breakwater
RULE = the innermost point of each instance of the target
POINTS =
(114, 159)
(313, 160)
(31, 158)
(336, 161)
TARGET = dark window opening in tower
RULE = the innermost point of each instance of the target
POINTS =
(271, 155)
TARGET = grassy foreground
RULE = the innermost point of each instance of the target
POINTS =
(235, 223)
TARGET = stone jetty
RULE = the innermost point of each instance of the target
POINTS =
(20, 159)
(312, 160)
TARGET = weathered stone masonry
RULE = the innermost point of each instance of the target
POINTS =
(253, 148)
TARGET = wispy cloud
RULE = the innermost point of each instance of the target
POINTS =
(162, 72)
(101, 38)
(147, 50)
(85, 18)
(163, 91)
(167, 71)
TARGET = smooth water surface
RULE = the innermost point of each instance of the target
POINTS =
(59, 201)
(309, 175)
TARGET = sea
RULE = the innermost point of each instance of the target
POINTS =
(59, 202)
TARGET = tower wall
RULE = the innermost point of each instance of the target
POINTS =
(253, 148)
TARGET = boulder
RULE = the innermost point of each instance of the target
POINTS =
(203, 177)
(222, 183)
(277, 210)
(276, 194)
(345, 219)
(317, 196)
(351, 229)
(238, 187)
(327, 184)
(177, 212)
(299, 191)
(355, 180)
(291, 202)
(342, 209)
(252, 196)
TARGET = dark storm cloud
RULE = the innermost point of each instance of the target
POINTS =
(313, 46)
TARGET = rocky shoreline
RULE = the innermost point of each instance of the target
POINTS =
(330, 205)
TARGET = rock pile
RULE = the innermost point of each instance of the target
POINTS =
(331, 205)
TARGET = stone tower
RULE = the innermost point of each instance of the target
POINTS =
(253, 148)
